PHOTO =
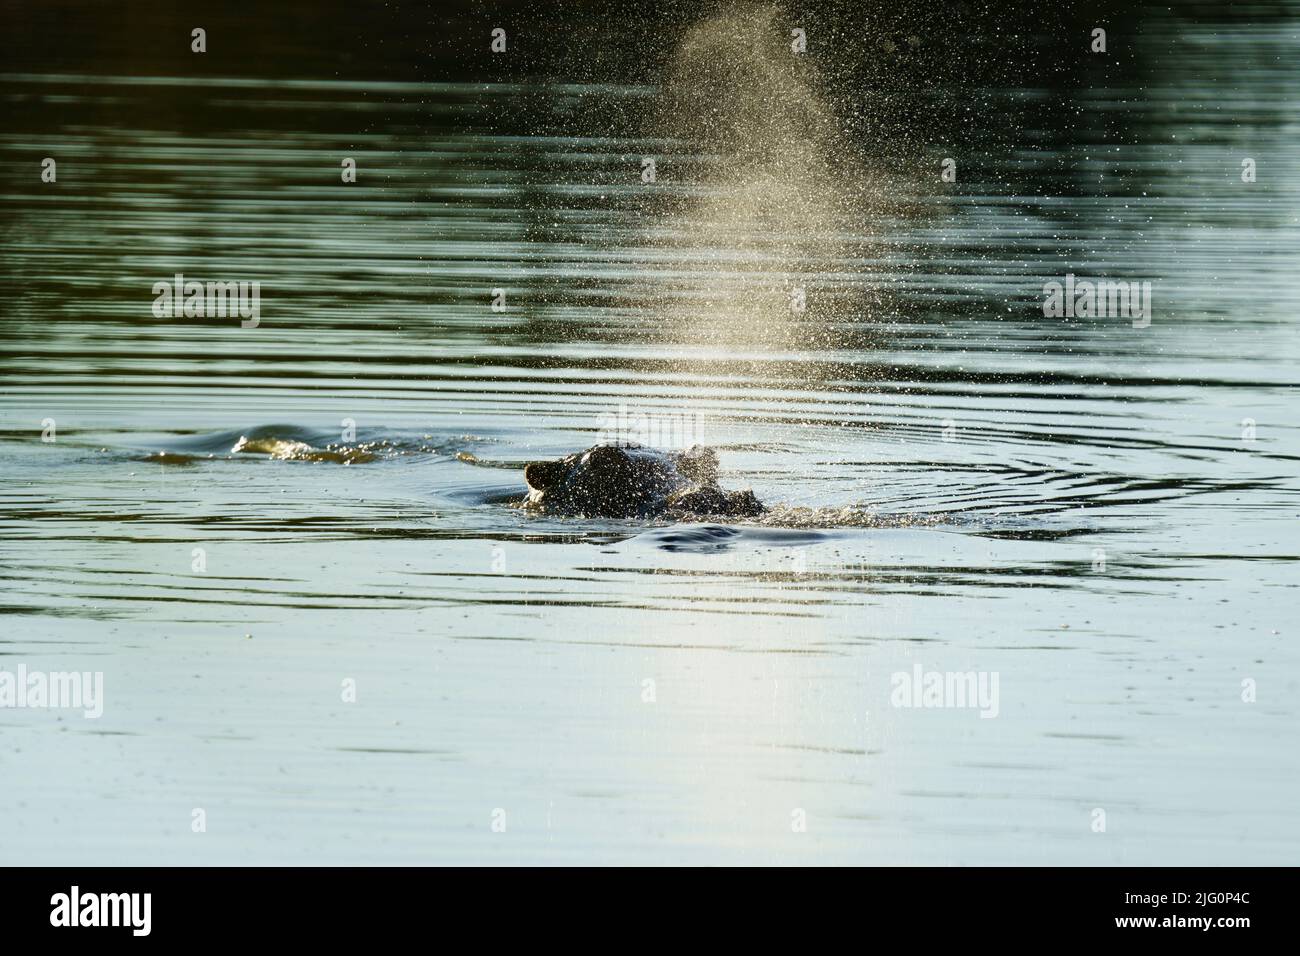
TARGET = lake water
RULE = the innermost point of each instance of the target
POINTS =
(382, 662)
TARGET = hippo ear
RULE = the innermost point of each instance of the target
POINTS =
(541, 475)
(700, 464)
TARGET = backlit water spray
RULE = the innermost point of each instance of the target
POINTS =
(767, 240)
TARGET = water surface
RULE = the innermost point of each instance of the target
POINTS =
(1102, 515)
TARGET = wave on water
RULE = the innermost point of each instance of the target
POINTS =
(295, 443)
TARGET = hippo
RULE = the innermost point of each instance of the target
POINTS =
(628, 481)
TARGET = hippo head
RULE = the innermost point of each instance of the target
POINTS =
(606, 481)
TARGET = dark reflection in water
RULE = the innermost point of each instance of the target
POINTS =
(1100, 513)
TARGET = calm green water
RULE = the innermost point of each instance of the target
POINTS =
(1101, 515)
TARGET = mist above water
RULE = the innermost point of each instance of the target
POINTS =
(769, 237)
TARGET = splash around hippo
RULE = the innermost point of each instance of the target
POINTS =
(628, 481)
